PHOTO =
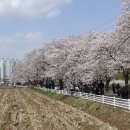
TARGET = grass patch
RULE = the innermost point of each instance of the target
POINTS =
(49, 94)
(87, 105)
(75, 102)
(119, 76)
(79, 103)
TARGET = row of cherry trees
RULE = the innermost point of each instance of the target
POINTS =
(86, 57)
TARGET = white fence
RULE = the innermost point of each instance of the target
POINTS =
(113, 101)
(21, 86)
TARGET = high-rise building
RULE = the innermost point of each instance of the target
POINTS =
(7, 68)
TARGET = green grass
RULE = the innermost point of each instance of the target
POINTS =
(119, 76)
(87, 105)
(50, 94)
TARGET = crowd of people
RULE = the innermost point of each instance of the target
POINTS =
(116, 88)
(96, 87)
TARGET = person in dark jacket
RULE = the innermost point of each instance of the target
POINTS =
(114, 87)
(118, 87)
(101, 87)
(86, 88)
(52, 84)
(61, 84)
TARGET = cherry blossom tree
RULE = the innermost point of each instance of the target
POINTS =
(18, 74)
(121, 42)
(84, 57)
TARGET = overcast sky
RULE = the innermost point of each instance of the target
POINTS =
(29, 24)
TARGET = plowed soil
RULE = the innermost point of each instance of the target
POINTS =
(24, 109)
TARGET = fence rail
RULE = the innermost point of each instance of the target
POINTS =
(113, 101)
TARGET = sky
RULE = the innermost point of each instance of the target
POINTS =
(29, 24)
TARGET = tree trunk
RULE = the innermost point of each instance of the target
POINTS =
(108, 79)
(61, 84)
(126, 76)
(30, 82)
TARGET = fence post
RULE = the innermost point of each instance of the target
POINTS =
(80, 94)
(114, 101)
(66, 92)
(102, 98)
(94, 97)
(129, 103)
(86, 95)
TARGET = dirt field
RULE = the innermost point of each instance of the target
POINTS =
(24, 109)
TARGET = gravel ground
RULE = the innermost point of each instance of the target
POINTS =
(24, 109)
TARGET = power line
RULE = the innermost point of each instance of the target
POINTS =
(104, 23)
(108, 28)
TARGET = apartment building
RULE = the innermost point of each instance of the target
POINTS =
(7, 67)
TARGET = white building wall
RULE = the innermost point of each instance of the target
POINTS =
(2, 69)
(7, 68)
